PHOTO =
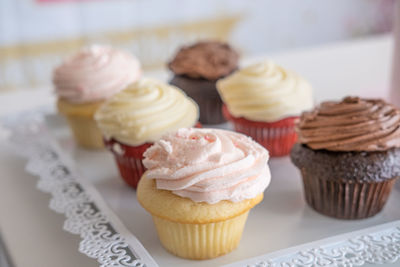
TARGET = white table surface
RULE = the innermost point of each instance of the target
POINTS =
(33, 234)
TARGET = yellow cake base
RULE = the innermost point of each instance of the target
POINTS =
(85, 132)
(200, 241)
(194, 230)
(82, 124)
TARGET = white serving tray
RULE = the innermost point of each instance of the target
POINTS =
(281, 221)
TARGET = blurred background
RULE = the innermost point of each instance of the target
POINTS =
(36, 34)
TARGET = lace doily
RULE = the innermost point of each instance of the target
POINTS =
(103, 236)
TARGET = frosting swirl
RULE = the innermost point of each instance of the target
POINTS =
(94, 74)
(144, 111)
(208, 165)
(353, 124)
(265, 92)
(209, 60)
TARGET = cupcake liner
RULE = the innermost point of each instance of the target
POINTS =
(200, 241)
(129, 160)
(278, 137)
(205, 94)
(346, 199)
(81, 122)
(85, 131)
(210, 111)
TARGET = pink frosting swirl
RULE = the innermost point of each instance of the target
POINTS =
(95, 73)
(208, 165)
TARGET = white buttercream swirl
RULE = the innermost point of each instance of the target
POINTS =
(265, 92)
(94, 74)
(208, 165)
(144, 111)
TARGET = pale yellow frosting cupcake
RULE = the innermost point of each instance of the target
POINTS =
(265, 92)
(144, 111)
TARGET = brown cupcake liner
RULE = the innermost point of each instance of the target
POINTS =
(210, 111)
(205, 94)
(346, 200)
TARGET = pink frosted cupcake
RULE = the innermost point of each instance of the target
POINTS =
(264, 101)
(85, 80)
(199, 189)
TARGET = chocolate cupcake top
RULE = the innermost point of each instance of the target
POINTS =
(209, 60)
(353, 124)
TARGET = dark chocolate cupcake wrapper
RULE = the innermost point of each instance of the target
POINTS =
(346, 199)
(205, 94)
(210, 111)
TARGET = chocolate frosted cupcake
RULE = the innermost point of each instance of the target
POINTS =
(348, 154)
(196, 69)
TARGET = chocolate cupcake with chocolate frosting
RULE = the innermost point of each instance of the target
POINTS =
(348, 154)
(196, 69)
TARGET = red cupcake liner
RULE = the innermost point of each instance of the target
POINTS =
(346, 200)
(129, 160)
(277, 137)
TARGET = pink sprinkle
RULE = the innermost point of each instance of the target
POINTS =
(209, 138)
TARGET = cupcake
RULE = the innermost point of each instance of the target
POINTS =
(196, 69)
(264, 101)
(348, 155)
(134, 118)
(84, 81)
(199, 188)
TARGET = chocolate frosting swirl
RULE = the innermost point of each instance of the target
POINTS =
(209, 60)
(353, 124)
